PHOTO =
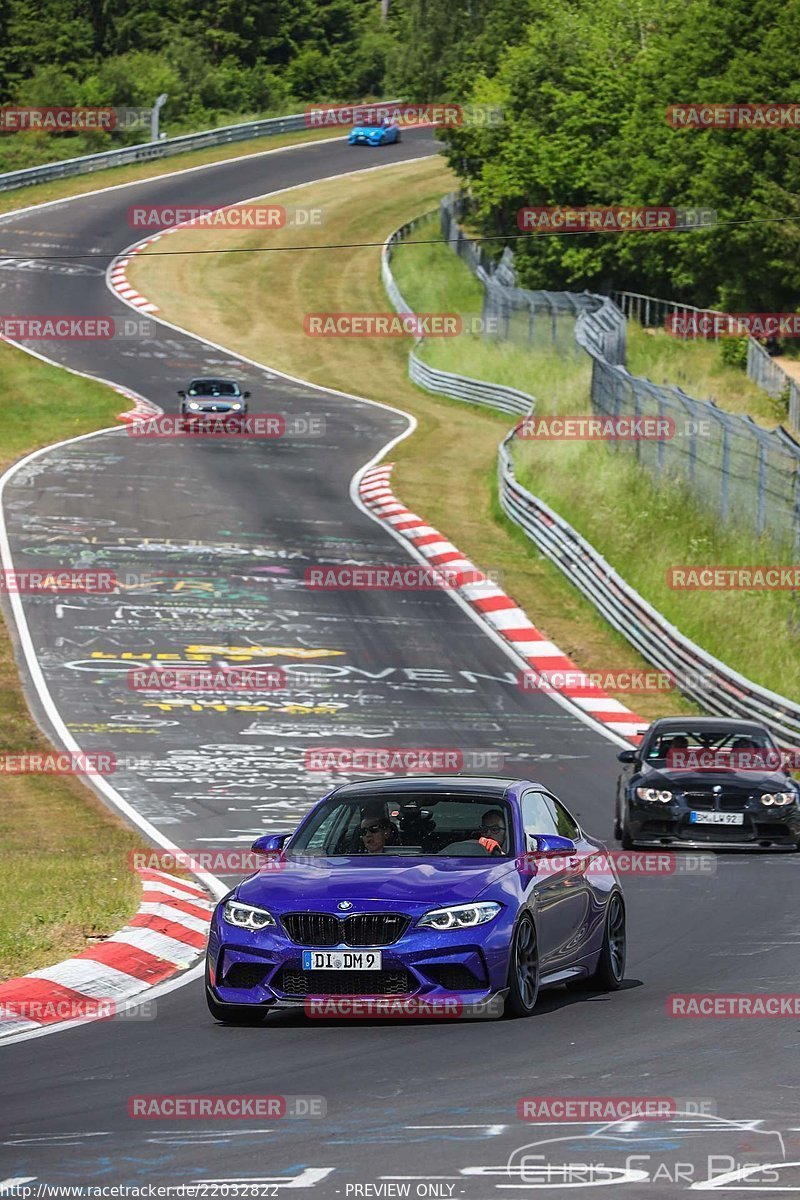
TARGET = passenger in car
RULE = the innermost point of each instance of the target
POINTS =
(493, 830)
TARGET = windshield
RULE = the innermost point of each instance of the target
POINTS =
(663, 747)
(213, 387)
(419, 825)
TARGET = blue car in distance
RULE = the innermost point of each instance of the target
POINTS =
(467, 890)
(374, 135)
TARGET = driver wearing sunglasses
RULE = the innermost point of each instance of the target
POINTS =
(375, 833)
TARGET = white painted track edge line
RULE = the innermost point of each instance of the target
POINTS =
(115, 187)
(215, 885)
(375, 461)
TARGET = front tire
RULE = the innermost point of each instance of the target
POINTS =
(523, 970)
(610, 970)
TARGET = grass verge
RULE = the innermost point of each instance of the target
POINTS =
(444, 472)
(641, 529)
(697, 368)
(64, 854)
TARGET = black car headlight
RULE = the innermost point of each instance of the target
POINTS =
(461, 916)
(780, 799)
(654, 795)
(246, 916)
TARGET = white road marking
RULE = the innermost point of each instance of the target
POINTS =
(723, 1182)
(491, 1130)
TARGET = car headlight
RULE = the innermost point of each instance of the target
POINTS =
(461, 916)
(235, 406)
(194, 407)
(654, 794)
(246, 916)
(778, 798)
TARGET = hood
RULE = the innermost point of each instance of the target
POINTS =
(705, 780)
(395, 880)
(367, 130)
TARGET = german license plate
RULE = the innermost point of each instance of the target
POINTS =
(716, 818)
(342, 960)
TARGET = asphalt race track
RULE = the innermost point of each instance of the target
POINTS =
(212, 540)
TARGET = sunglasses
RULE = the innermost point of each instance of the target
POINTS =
(379, 828)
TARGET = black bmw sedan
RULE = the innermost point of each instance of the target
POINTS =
(707, 782)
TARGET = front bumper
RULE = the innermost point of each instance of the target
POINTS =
(214, 414)
(264, 969)
(670, 825)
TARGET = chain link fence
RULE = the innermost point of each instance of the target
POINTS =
(654, 313)
(736, 469)
(716, 687)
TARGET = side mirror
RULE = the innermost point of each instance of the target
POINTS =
(551, 843)
(182, 395)
(246, 395)
(270, 843)
(628, 756)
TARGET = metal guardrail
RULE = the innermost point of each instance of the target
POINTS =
(445, 383)
(145, 151)
(473, 391)
(716, 687)
(712, 684)
(389, 282)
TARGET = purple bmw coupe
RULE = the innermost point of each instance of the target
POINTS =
(419, 895)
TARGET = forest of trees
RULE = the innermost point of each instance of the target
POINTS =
(584, 85)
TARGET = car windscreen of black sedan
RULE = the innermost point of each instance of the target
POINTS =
(706, 781)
